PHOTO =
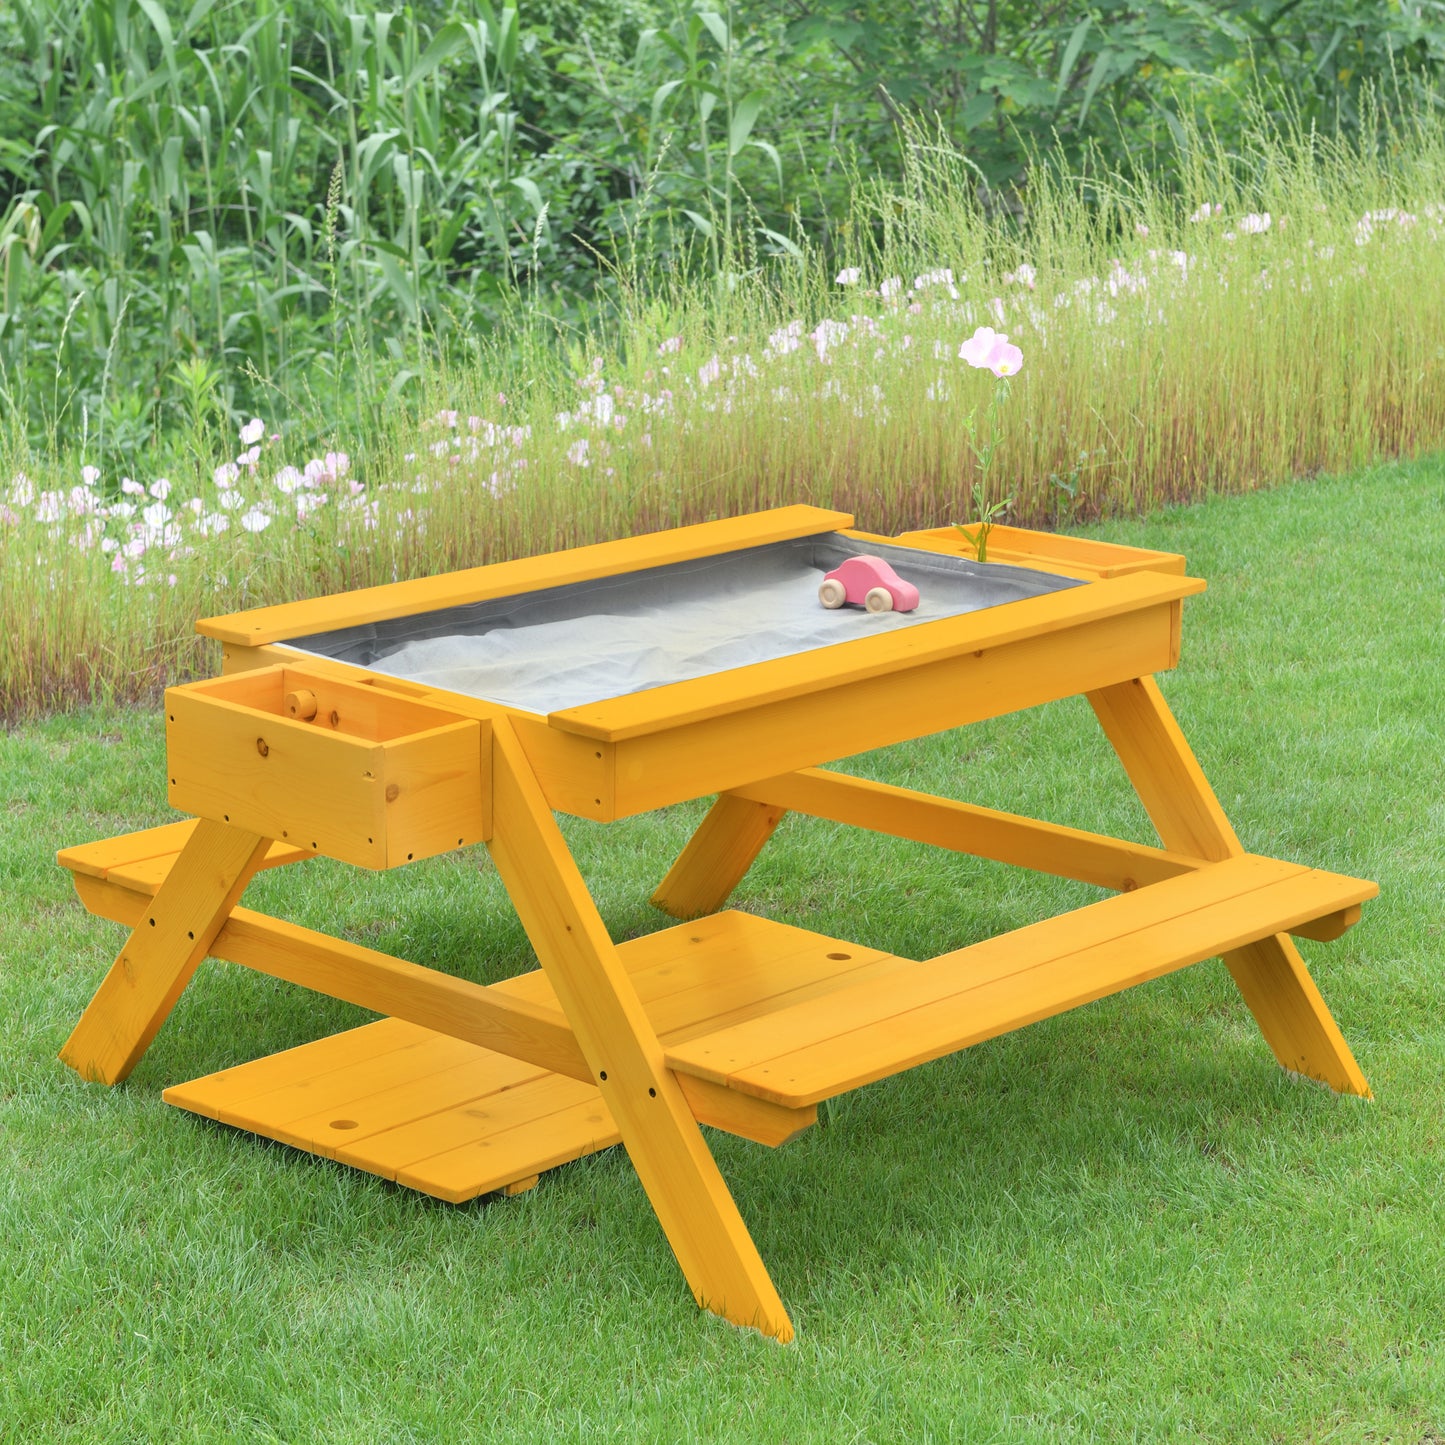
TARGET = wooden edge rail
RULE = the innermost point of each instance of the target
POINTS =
(1086, 857)
(527, 574)
(883, 654)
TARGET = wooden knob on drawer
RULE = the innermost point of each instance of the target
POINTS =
(300, 704)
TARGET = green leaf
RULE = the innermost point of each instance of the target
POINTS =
(445, 44)
(399, 383)
(717, 26)
(507, 44)
(977, 110)
(529, 189)
(1097, 77)
(772, 153)
(659, 99)
(786, 242)
(401, 286)
(1071, 55)
(701, 222)
(160, 22)
(745, 116)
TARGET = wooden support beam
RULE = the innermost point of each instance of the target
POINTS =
(487, 1017)
(1270, 974)
(153, 969)
(722, 850)
(693, 1205)
(966, 828)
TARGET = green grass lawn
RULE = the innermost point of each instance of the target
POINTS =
(1123, 1223)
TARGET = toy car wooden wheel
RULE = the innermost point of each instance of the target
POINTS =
(832, 593)
(878, 599)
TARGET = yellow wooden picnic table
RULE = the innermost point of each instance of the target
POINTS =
(316, 740)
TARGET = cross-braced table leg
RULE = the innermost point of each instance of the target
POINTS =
(1271, 974)
(692, 1202)
(153, 969)
(717, 857)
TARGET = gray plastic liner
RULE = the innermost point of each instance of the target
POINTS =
(562, 647)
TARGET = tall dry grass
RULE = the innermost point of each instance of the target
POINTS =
(1232, 323)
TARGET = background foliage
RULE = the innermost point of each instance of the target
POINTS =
(282, 207)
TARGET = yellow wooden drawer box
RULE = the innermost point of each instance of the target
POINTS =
(339, 768)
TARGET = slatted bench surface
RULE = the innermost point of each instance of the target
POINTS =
(709, 974)
(142, 859)
(780, 1013)
(879, 1025)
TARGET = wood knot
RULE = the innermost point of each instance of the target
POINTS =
(262, 747)
(393, 792)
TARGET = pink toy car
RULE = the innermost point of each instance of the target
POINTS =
(868, 581)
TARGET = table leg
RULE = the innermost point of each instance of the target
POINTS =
(153, 969)
(722, 850)
(1270, 974)
(692, 1202)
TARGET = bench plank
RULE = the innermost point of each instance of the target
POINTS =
(101, 858)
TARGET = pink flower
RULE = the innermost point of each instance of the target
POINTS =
(253, 431)
(709, 371)
(786, 338)
(990, 350)
(1255, 225)
(826, 333)
(131, 488)
(90, 475)
(891, 287)
(160, 489)
(940, 276)
(848, 276)
(225, 474)
(577, 453)
(256, 520)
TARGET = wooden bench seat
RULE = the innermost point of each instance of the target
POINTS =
(874, 1026)
(776, 1013)
(141, 859)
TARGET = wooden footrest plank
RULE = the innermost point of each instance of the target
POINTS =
(878, 1026)
(434, 1113)
(702, 976)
